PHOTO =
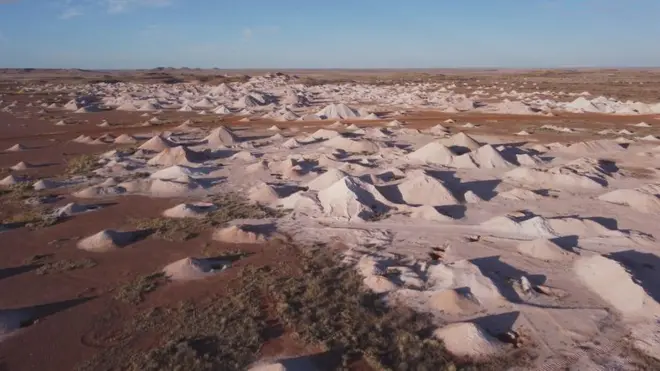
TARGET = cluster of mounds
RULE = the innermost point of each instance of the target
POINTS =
(469, 228)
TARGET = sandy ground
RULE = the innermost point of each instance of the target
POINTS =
(545, 241)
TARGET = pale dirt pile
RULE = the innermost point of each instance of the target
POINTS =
(351, 145)
(543, 249)
(612, 283)
(635, 199)
(220, 137)
(106, 240)
(326, 179)
(197, 210)
(468, 340)
(241, 234)
(156, 144)
(176, 156)
(352, 199)
(421, 189)
(21, 166)
(189, 269)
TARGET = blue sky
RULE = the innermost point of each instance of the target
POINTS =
(329, 34)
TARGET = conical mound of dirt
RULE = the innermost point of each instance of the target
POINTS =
(593, 147)
(429, 213)
(244, 156)
(189, 269)
(99, 191)
(543, 249)
(609, 280)
(438, 130)
(351, 145)
(488, 157)
(172, 188)
(433, 153)
(263, 193)
(172, 172)
(240, 234)
(176, 156)
(337, 111)
(323, 134)
(16, 148)
(546, 178)
(45, 184)
(326, 179)
(190, 210)
(9, 180)
(125, 139)
(156, 144)
(72, 209)
(636, 199)
(466, 339)
(21, 166)
(421, 189)
(221, 136)
(461, 141)
(106, 240)
(520, 194)
(352, 199)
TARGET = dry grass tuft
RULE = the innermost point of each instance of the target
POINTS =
(82, 165)
(65, 265)
(134, 292)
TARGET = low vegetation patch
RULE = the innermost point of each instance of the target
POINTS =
(134, 292)
(65, 265)
(230, 207)
(322, 300)
(82, 165)
(32, 217)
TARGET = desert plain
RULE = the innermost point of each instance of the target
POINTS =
(181, 219)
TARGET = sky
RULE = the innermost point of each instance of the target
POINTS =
(270, 34)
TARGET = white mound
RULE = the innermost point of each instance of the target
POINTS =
(21, 166)
(337, 111)
(189, 269)
(99, 191)
(593, 147)
(156, 144)
(642, 125)
(520, 194)
(543, 249)
(461, 140)
(636, 199)
(263, 193)
(433, 153)
(245, 156)
(489, 158)
(243, 234)
(9, 180)
(351, 145)
(72, 209)
(16, 148)
(326, 179)
(429, 213)
(523, 133)
(468, 340)
(176, 156)
(45, 184)
(438, 130)
(324, 134)
(197, 210)
(546, 178)
(221, 136)
(106, 240)
(125, 139)
(350, 199)
(172, 172)
(171, 188)
(422, 189)
(274, 128)
(609, 280)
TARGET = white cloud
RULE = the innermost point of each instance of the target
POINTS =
(120, 6)
(70, 13)
(251, 32)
